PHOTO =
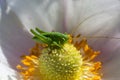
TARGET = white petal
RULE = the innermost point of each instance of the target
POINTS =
(46, 14)
(7, 73)
(14, 41)
(84, 14)
(111, 67)
(98, 18)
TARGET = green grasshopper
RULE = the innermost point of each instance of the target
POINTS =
(53, 39)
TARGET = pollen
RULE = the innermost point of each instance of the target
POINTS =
(73, 61)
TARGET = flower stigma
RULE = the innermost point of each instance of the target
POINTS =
(57, 56)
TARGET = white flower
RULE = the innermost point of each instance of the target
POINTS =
(96, 18)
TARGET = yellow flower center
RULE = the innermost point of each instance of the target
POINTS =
(74, 61)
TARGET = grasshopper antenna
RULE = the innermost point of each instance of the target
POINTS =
(105, 37)
(76, 27)
(93, 37)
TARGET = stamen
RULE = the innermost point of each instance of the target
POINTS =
(72, 62)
